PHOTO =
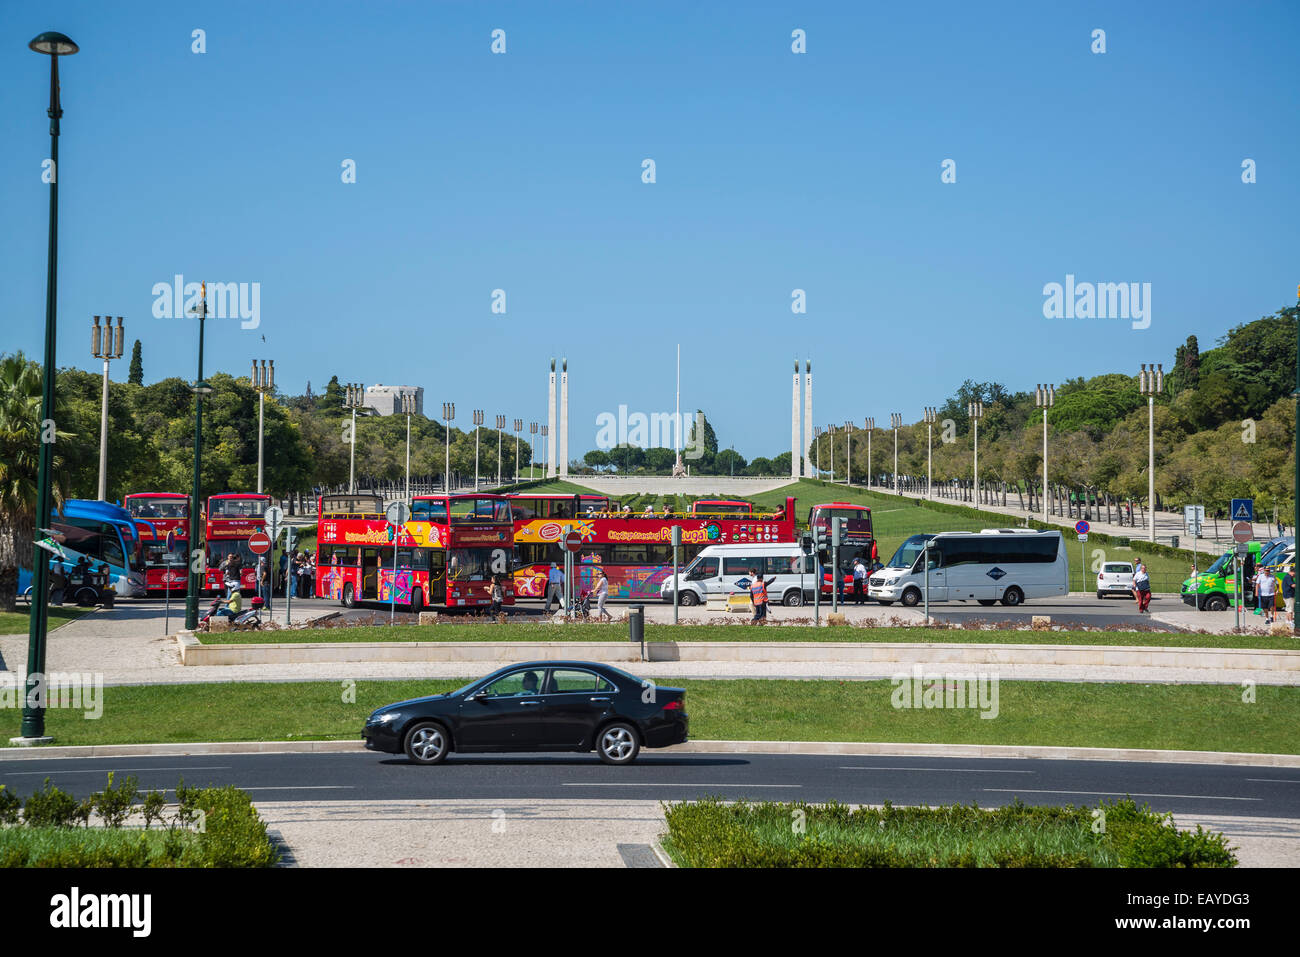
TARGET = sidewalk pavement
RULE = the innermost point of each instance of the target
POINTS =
(576, 833)
(1217, 535)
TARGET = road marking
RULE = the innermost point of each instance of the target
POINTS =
(1198, 797)
(655, 784)
(309, 787)
(846, 767)
(1276, 780)
(212, 767)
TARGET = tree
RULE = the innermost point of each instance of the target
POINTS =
(136, 375)
(597, 459)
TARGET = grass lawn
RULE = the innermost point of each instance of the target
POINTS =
(37, 843)
(17, 622)
(1184, 717)
(583, 631)
(896, 518)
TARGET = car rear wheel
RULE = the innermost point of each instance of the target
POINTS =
(427, 743)
(792, 599)
(349, 596)
(1013, 596)
(688, 599)
(617, 743)
(1101, 595)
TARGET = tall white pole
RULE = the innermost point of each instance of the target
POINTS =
(550, 422)
(103, 440)
(261, 433)
(1151, 465)
(896, 491)
(1044, 496)
(562, 466)
(408, 457)
(476, 458)
(808, 411)
(677, 420)
(352, 456)
(929, 457)
(976, 490)
(796, 450)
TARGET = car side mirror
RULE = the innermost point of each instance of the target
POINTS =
(479, 695)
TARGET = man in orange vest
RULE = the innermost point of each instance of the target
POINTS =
(758, 595)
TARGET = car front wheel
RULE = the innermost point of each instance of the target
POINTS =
(617, 743)
(911, 598)
(427, 743)
(793, 599)
(688, 599)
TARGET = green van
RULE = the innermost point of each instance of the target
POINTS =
(1213, 589)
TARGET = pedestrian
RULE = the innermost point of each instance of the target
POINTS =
(302, 575)
(1141, 586)
(554, 587)
(282, 584)
(758, 595)
(498, 596)
(263, 578)
(230, 571)
(1266, 591)
(1288, 592)
(602, 592)
(859, 580)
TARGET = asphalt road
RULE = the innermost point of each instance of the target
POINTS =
(664, 775)
(1086, 610)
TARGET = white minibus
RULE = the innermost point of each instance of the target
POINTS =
(721, 570)
(987, 567)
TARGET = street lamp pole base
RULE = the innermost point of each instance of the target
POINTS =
(31, 742)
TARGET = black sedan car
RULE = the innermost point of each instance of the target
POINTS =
(538, 706)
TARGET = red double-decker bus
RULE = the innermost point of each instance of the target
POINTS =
(857, 539)
(157, 514)
(634, 550)
(230, 519)
(448, 553)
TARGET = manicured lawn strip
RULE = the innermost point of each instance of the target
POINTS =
(618, 631)
(17, 622)
(1182, 717)
(35, 843)
(711, 833)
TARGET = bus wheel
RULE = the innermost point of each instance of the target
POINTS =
(1013, 596)
(911, 598)
(688, 599)
(793, 599)
(417, 601)
(1215, 603)
(349, 596)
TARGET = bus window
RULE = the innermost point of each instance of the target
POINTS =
(430, 511)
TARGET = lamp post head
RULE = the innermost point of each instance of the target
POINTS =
(53, 43)
(202, 388)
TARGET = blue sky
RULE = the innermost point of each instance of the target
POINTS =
(775, 171)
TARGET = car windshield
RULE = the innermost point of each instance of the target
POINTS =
(907, 553)
(1219, 565)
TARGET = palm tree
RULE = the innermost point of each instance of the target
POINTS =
(20, 434)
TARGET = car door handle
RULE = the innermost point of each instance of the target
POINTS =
(605, 700)
(529, 704)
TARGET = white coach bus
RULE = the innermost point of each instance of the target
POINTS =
(987, 567)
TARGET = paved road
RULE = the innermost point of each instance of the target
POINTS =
(664, 775)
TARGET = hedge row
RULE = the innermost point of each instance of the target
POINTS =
(710, 833)
(213, 827)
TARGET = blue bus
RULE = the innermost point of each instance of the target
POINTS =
(105, 534)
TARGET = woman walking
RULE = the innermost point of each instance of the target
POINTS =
(602, 592)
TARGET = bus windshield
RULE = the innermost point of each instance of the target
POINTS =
(469, 564)
(236, 507)
(470, 511)
(158, 507)
(908, 552)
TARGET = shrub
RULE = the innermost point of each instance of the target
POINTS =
(50, 807)
(9, 807)
(114, 803)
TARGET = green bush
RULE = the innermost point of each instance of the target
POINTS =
(9, 807)
(710, 833)
(233, 835)
(50, 807)
(115, 803)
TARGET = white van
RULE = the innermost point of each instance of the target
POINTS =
(987, 567)
(721, 570)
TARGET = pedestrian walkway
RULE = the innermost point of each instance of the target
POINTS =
(1217, 535)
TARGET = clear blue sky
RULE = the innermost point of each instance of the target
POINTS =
(775, 171)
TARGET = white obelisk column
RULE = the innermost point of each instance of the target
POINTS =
(807, 413)
(551, 432)
(796, 451)
(564, 419)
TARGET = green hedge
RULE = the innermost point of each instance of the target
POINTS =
(213, 827)
(711, 833)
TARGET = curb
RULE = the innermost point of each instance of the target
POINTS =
(890, 749)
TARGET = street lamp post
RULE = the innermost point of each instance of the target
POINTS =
(870, 424)
(54, 45)
(831, 429)
(532, 444)
(848, 453)
(501, 428)
(896, 420)
(105, 348)
(478, 421)
(1045, 398)
(519, 427)
(448, 414)
(408, 409)
(545, 430)
(263, 382)
(1151, 384)
(976, 412)
(200, 389)
(354, 399)
(931, 414)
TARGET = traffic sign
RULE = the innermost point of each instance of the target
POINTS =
(398, 513)
(1242, 532)
(259, 543)
(1243, 510)
(573, 542)
(1083, 537)
(1082, 527)
(1193, 519)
